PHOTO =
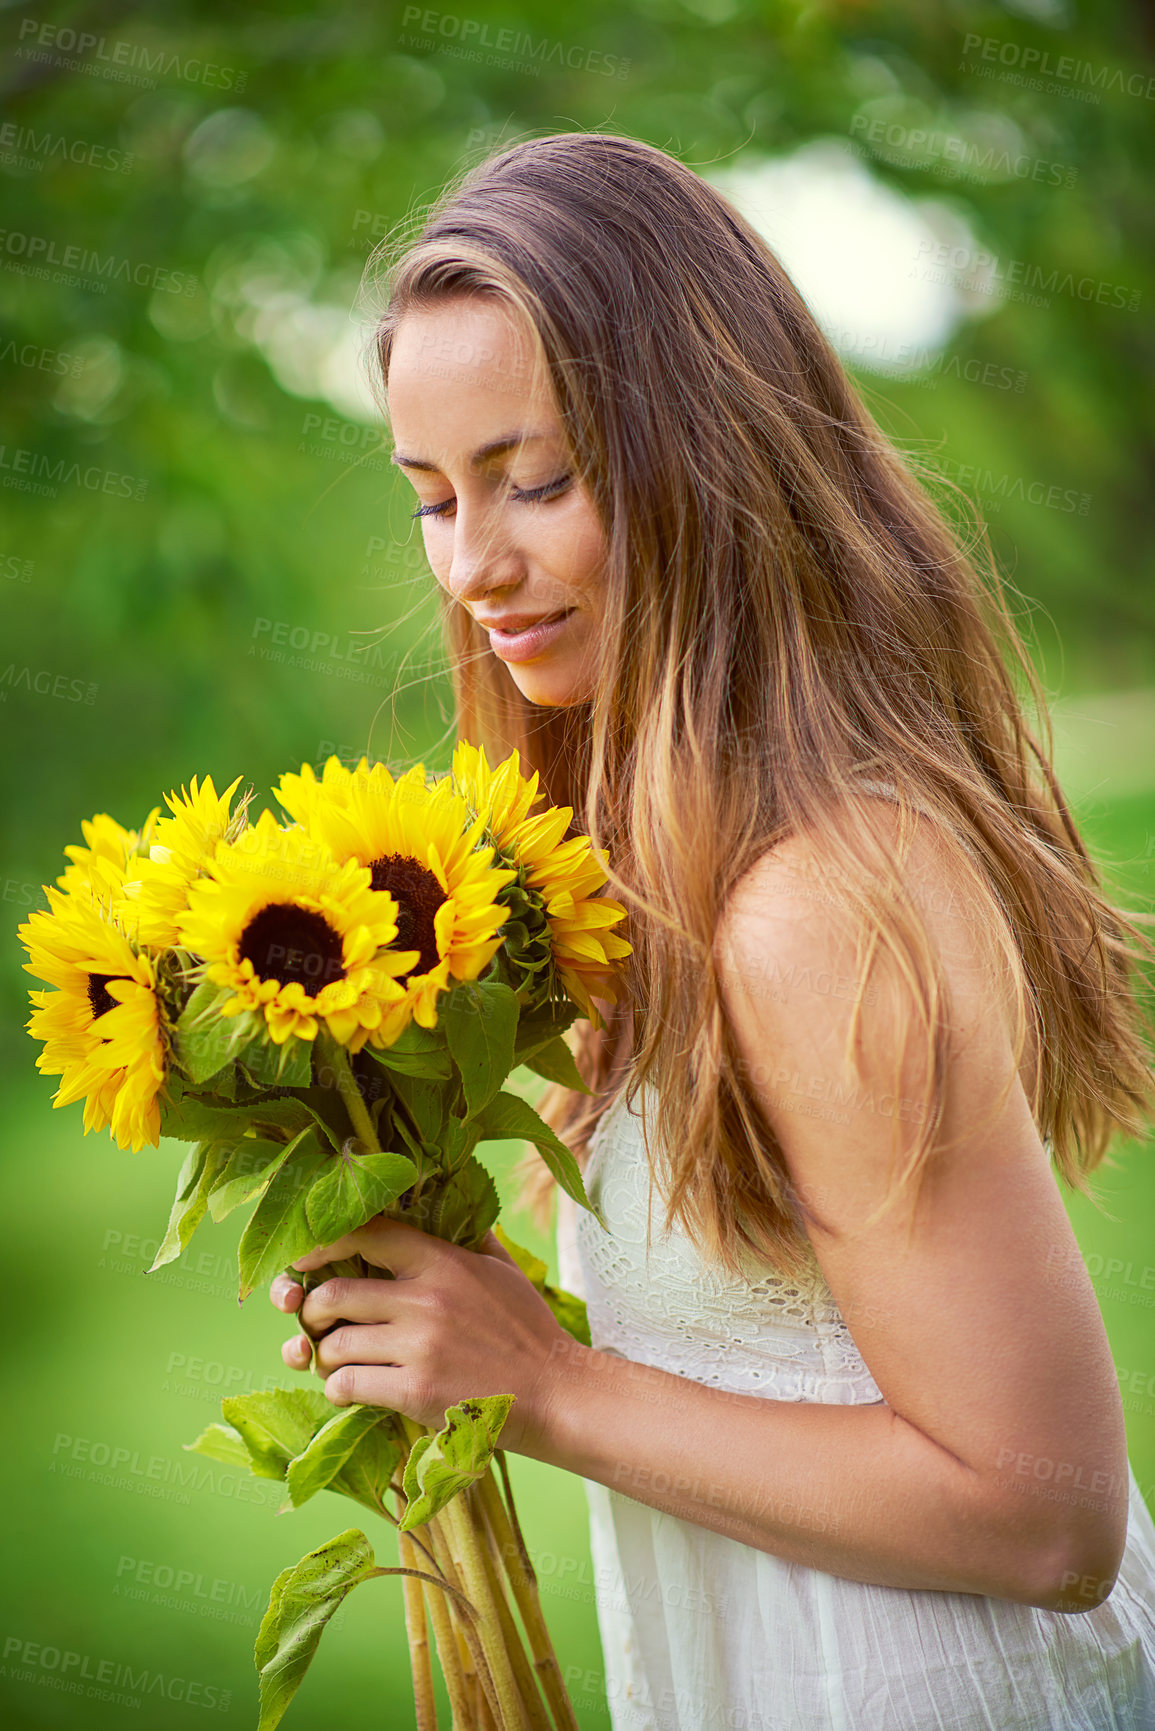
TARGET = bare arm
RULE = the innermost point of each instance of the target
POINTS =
(996, 1463)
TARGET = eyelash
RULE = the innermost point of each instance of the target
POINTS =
(523, 496)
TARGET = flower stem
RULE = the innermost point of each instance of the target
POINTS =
(449, 1652)
(424, 1701)
(512, 1712)
(464, 1627)
(464, 1617)
(511, 1547)
(351, 1094)
(469, 1555)
(513, 1640)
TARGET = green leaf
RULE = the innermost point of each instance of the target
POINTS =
(195, 1180)
(460, 1209)
(417, 1051)
(369, 1471)
(276, 1425)
(327, 1453)
(250, 1167)
(222, 1443)
(480, 1021)
(191, 1168)
(221, 1085)
(507, 1115)
(186, 1118)
(273, 1066)
(327, 1110)
(570, 1311)
(353, 1189)
(303, 1599)
(425, 1102)
(290, 1112)
(412, 1142)
(205, 1040)
(536, 1028)
(534, 1269)
(279, 1229)
(556, 1063)
(567, 1307)
(440, 1466)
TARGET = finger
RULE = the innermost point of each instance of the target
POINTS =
(491, 1245)
(385, 1243)
(344, 1247)
(286, 1294)
(366, 1385)
(298, 1352)
(357, 1300)
(374, 1344)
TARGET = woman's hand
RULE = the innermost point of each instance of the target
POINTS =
(452, 1323)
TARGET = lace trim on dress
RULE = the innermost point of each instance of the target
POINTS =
(759, 1332)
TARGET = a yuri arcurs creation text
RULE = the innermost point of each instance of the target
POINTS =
(327, 1011)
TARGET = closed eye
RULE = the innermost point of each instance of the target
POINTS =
(523, 495)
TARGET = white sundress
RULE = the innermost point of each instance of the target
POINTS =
(699, 1630)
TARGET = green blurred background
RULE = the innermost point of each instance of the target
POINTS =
(206, 566)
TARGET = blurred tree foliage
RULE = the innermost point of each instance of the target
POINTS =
(200, 530)
(198, 187)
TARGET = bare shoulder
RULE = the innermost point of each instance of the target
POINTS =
(970, 1305)
(787, 935)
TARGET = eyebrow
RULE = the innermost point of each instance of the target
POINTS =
(495, 448)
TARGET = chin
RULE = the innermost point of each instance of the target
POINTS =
(552, 689)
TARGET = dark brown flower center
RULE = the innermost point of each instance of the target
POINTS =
(286, 943)
(100, 999)
(418, 896)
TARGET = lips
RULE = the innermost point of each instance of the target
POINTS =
(517, 622)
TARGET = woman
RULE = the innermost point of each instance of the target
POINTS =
(852, 1434)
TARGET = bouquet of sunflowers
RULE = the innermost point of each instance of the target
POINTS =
(326, 1011)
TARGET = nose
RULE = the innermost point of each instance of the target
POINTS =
(483, 557)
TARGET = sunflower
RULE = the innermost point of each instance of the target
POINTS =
(566, 875)
(102, 1027)
(111, 854)
(302, 795)
(298, 935)
(158, 883)
(421, 843)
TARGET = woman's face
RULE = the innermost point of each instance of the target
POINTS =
(508, 531)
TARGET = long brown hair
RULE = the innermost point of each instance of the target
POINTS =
(789, 607)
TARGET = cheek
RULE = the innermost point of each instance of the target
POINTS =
(579, 550)
(439, 553)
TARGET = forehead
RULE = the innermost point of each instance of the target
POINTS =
(459, 367)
